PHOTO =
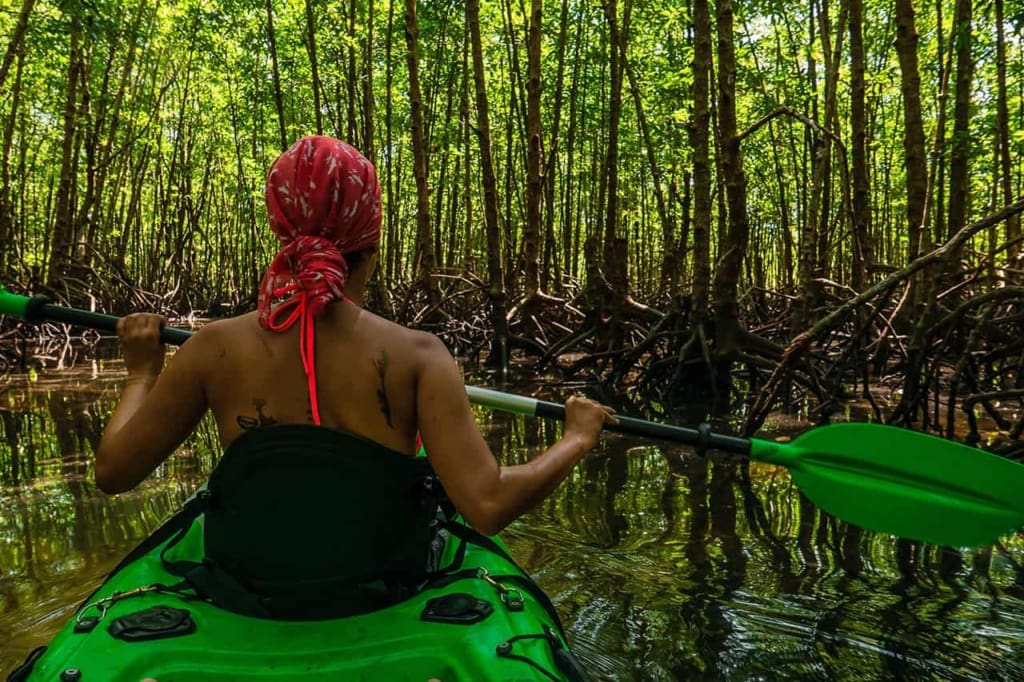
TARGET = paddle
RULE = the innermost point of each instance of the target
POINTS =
(883, 478)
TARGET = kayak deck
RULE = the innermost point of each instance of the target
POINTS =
(392, 644)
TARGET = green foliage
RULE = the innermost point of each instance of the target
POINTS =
(176, 124)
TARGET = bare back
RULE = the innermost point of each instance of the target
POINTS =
(374, 378)
(366, 374)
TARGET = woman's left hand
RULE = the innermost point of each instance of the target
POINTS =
(140, 341)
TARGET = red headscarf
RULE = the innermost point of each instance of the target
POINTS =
(323, 200)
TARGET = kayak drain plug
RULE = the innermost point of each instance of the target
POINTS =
(71, 675)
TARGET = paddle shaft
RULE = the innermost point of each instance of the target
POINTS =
(38, 308)
(702, 437)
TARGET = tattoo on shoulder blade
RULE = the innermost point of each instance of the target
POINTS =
(261, 419)
(382, 392)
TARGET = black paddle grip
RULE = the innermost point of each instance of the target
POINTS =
(40, 308)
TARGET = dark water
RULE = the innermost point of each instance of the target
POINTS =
(664, 565)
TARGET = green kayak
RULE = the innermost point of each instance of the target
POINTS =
(288, 565)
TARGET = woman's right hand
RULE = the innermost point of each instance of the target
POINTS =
(585, 418)
(141, 346)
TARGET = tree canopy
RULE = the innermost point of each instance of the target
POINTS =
(721, 174)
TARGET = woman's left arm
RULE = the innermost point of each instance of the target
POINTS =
(158, 408)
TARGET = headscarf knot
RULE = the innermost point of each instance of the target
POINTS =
(323, 200)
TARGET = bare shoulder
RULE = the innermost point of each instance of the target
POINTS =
(428, 348)
(423, 345)
(428, 343)
(434, 362)
(215, 332)
(215, 339)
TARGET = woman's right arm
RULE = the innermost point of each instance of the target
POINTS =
(490, 496)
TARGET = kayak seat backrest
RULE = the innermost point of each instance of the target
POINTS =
(318, 522)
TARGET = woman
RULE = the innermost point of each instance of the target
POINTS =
(350, 369)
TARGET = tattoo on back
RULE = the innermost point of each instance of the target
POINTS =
(261, 419)
(382, 392)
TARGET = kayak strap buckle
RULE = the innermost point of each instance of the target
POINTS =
(510, 597)
(103, 605)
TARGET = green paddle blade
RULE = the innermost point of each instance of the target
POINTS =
(906, 483)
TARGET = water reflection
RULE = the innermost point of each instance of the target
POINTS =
(665, 565)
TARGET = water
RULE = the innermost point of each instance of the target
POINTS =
(664, 565)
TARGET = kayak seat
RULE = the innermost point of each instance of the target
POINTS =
(305, 522)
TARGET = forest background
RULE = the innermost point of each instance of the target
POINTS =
(672, 198)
